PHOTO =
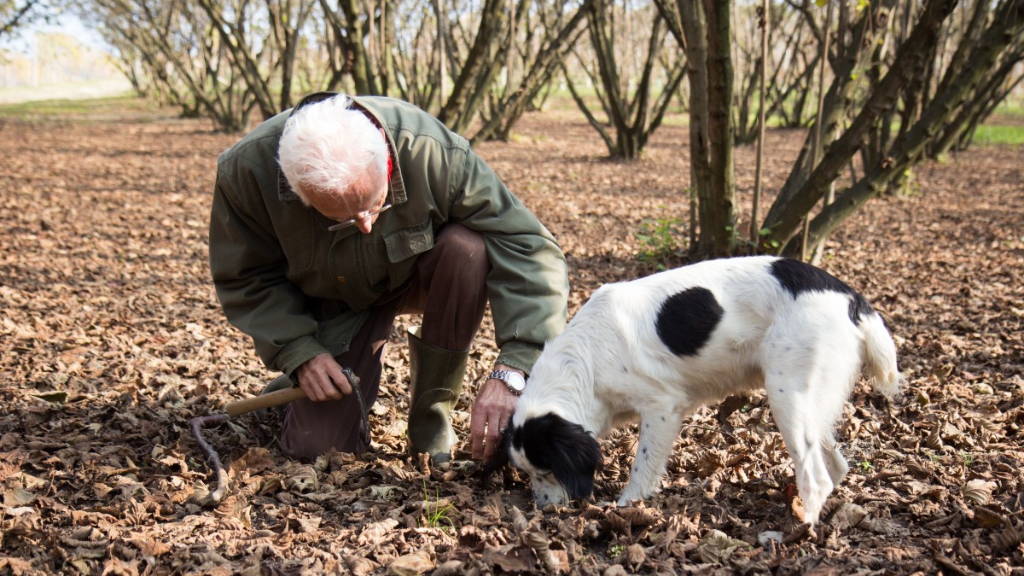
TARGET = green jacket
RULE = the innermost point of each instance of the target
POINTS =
(274, 263)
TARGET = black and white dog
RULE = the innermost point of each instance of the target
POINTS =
(660, 347)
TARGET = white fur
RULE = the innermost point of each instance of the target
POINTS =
(610, 366)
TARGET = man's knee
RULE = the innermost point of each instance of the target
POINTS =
(465, 247)
(302, 445)
(310, 429)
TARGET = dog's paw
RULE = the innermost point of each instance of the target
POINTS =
(628, 497)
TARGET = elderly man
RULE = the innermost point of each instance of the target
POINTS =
(332, 218)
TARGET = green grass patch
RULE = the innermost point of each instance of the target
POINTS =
(660, 241)
(79, 109)
(1010, 109)
(992, 134)
(437, 512)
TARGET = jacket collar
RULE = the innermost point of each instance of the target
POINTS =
(396, 184)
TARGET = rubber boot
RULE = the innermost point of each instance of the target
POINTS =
(436, 376)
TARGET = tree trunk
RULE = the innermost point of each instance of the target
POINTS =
(479, 70)
(695, 28)
(755, 203)
(718, 234)
(629, 110)
(909, 149)
(792, 204)
(540, 71)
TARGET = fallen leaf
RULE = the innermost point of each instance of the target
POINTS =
(411, 565)
(847, 515)
(374, 533)
(56, 397)
(509, 562)
(151, 548)
(449, 568)
(979, 491)
(16, 566)
(717, 547)
(988, 518)
(635, 555)
(16, 497)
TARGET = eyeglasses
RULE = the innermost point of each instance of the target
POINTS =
(344, 224)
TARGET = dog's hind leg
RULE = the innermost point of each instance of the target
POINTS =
(834, 460)
(791, 407)
(807, 380)
(658, 432)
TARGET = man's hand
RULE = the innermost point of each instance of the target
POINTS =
(321, 379)
(491, 413)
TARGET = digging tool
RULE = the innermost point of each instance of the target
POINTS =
(270, 400)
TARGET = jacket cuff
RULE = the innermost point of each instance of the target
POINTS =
(519, 355)
(296, 353)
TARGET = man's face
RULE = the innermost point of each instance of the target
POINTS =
(362, 213)
(359, 207)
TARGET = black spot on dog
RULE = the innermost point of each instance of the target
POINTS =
(797, 277)
(687, 319)
(565, 448)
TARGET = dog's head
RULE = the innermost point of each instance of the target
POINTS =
(559, 456)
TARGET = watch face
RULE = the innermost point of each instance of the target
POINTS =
(516, 381)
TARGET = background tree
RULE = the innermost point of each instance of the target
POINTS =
(899, 81)
(540, 38)
(792, 58)
(992, 89)
(15, 14)
(418, 54)
(633, 102)
(705, 30)
(349, 24)
(262, 46)
(172, 48)
(980, 60)
(477, 72)
(959, 92)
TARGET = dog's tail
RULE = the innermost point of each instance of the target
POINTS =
(880, 356)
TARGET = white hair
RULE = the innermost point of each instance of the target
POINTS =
(332, 153)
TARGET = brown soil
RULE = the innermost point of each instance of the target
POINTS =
(111, 339)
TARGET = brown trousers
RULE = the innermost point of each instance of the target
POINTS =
(449, 287)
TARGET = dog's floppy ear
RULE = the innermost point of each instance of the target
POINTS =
(565, 448)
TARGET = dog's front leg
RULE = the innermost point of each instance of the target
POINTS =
(658, 432)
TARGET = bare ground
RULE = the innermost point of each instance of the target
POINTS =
(111, 339)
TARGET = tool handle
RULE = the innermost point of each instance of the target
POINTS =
(276, 398)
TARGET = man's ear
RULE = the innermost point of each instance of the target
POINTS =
(565, 448)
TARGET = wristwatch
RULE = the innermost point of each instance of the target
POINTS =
(513, 380)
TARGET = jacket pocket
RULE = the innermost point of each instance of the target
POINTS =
(409, 242)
